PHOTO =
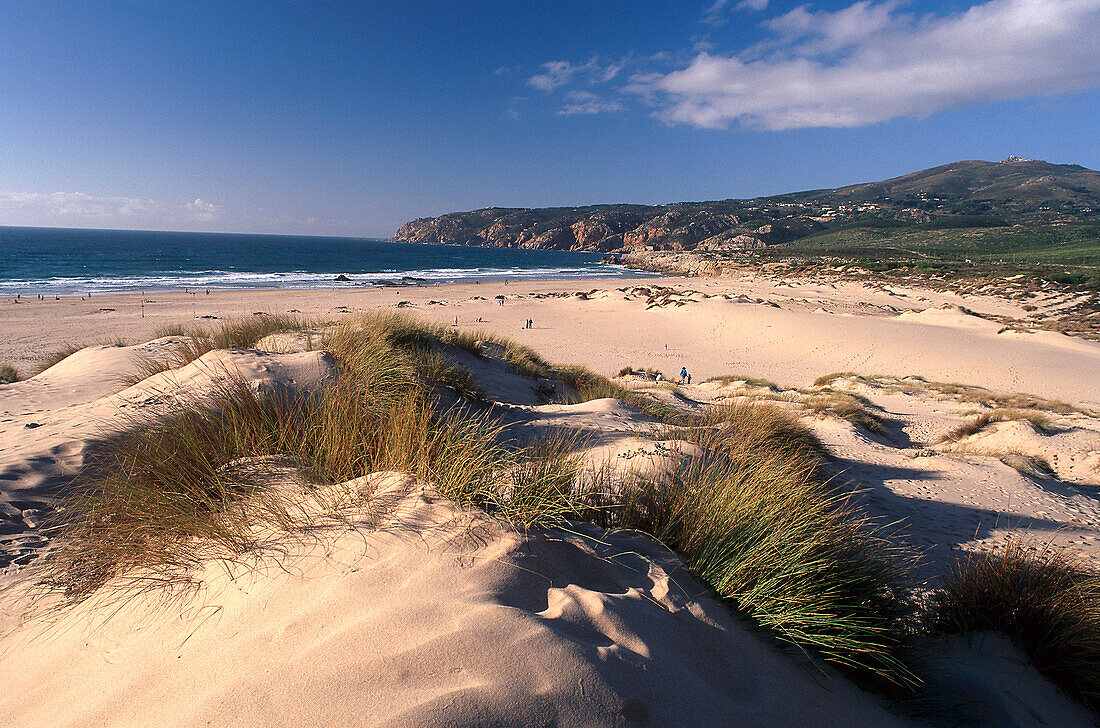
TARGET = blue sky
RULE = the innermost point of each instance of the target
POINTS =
(305, 116)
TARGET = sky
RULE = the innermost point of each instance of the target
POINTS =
(349, 118)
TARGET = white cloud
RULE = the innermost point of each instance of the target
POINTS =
(555, 74)
(586, 102)
(716, 13)
(79, 209)
(869, 63)
(204, 210)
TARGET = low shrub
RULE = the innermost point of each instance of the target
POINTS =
(8, 374)
(1045, 598)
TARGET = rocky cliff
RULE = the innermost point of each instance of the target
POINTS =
(973, 193)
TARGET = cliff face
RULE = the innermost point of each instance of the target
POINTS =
(601, 229)
(1013, 190)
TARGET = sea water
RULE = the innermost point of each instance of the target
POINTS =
(61, 261)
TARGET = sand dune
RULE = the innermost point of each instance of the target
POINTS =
(408, 610)
(436, 618)
(48, 422)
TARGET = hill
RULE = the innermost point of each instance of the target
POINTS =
(966, 194)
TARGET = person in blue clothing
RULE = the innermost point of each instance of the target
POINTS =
(683, 374)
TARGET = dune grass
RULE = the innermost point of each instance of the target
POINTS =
(755, 521)
(164, 496)
(914, 384)
(8, 374)
(195, 341)
(1044, 598)
(421, 336)
(728, 379)
(845, 406)
(754, 517)
(1041, 421)
(827, 379)
(647, 372)
(56, 356)
(589, 385)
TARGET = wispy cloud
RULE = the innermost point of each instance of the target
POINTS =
(871, 62)
(717, 13)
(595, 73)
(82, 209)
(586, 102)
(555, 74)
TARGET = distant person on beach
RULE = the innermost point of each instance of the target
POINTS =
(683, 374)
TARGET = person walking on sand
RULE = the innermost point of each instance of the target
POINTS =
(683, 374)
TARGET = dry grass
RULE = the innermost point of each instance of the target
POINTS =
(1011, 401)
(647, 372)
(164, 496)
(1030, 465)
(56, 357)
(8, 374)
(753, 518)
(728, 379)
(846, 407)
(196, 341)
(827, 379)
(755, 521)
(1041, 421)
(961, 392)
(589, 386)
(1045, 598)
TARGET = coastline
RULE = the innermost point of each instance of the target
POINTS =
(712, 325)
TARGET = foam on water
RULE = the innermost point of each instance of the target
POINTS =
(65, 262)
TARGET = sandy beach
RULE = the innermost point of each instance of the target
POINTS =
(556, 622)
(789, 331)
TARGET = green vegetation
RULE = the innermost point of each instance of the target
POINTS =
(754, 516)
(150, 496)
(755, 521)
(1068, 254)
(1046, 599)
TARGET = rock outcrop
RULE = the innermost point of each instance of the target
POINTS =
(984, 193)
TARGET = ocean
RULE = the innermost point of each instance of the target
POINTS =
(59, 261)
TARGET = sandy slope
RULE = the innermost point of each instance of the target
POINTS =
(787, 331)
(48, 422)
(423, 615)
(436, 619)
